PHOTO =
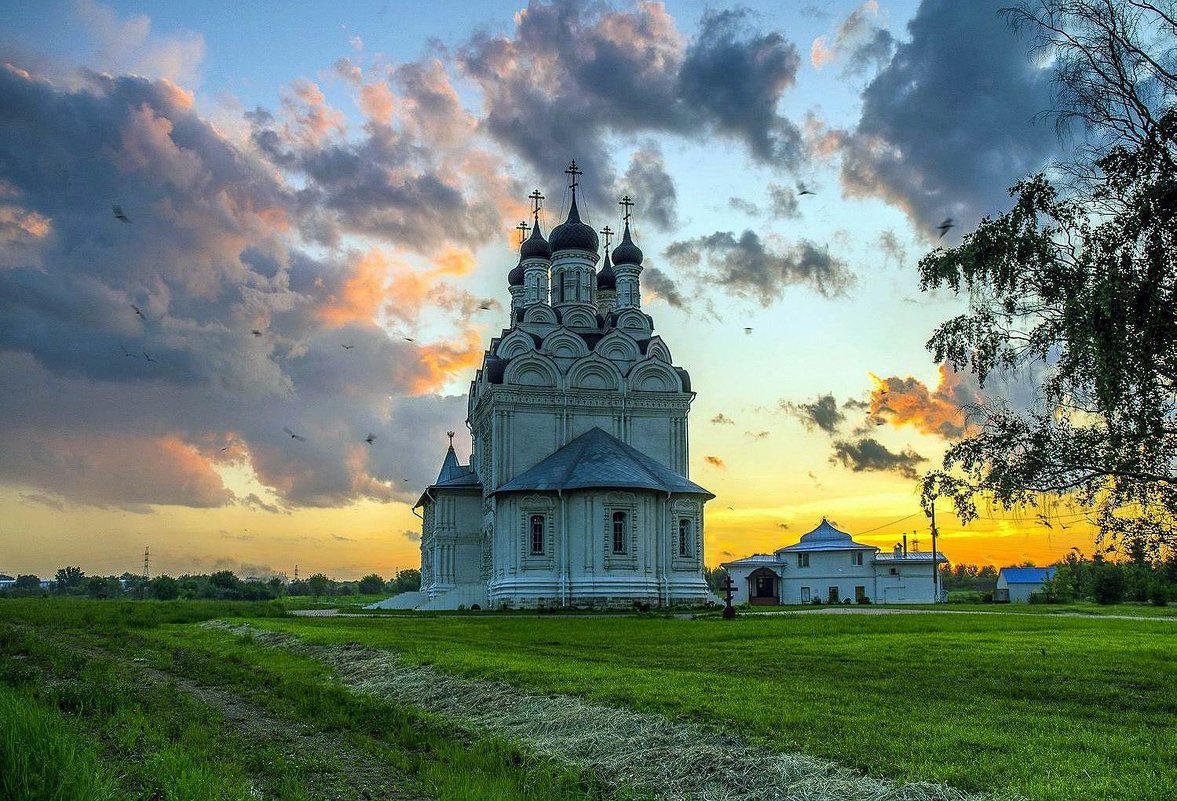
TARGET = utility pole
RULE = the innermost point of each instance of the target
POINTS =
(146, 563)
(935, 566)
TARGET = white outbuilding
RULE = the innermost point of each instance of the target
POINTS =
(1017, 584)
(827, 565)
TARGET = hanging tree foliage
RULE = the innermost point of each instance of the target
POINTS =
(1079, 285)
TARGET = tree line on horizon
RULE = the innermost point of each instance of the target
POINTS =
(223, 585)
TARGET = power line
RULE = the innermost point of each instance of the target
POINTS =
(893, 522)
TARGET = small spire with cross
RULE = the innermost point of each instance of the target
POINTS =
(573, 173)
(607, 232)
(450, 434)
(627, 204)
(522, 228)
(537, 203)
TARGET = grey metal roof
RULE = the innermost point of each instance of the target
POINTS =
(827, 538)
(912, 556)
(597, 459)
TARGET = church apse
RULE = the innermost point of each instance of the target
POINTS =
(577, 491)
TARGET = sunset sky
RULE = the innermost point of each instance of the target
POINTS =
(352, 173)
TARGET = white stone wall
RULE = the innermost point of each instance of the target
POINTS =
(579, 566)
(911, 583)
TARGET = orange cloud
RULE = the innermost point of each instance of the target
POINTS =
(377, 102)
(908, 401)
(820, 53)
(455, 261)
(362, 293)
(715, 462)
(444, 360)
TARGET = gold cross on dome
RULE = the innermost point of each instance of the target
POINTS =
(573, 172)
(628, 204)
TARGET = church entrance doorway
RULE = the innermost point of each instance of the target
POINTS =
(762, 587)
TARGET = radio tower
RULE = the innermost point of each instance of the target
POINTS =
(296, 572)
(146, 563)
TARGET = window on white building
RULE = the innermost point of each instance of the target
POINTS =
(537, 535)
(684, 536)
(857, 557)
(802, 560)
(619, 532)
(804, 595)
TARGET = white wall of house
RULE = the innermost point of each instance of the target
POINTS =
(1019, 592)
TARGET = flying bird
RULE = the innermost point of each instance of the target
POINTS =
(138, 311)
(802, 189)
(486, 304)
(119, 215)
(148, 358)
(298, 437)
(127, 354)
(256, 332)
(409, 339)
(347, 347)
(370, 439)
(225, 448)
(880, 422)
(944, 226)
(747, 331)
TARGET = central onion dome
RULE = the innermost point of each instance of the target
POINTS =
(535, 246)
(627, 252)
(572, 234)
(606, 278)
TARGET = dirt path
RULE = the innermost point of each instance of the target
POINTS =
(331, 768)
(673, 759)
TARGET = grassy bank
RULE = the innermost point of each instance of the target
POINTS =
(1050, 707)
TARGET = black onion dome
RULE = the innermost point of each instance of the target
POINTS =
(515, 277)
(572, 234)
(627, 252)
(606, 278)
(535, 246)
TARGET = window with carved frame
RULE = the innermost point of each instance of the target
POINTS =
(536, 527)
(684, 536)
(620, 532)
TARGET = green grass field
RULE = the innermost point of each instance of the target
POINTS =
(1043, 706)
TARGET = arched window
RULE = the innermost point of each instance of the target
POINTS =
(619, 532)
(684, 536)
(568, 287)
(537, 534)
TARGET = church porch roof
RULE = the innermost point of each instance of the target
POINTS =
(598, 460)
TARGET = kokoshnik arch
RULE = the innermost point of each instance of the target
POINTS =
(577, 491)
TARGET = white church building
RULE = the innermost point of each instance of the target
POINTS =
(827, 565)
(577, 491)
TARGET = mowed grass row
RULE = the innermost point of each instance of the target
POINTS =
(160, 743)
(1047, 707)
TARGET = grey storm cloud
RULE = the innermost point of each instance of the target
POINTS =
(647, 178)
(868, 454)
(571, 75)
(950, 123)
(746, 268)
(867, 45)
(822, 413)
(207, 258)
(663, 286)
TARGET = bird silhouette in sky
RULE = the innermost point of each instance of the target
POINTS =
(256, 332)
(370, 439)
(225, 448)
(139, 311)
(945, 226)
(298, 437)
(119, 215)
(802, 189)
(486, 304)
(127, 354)
(409, 339)
(347, 347)
(148, 358)
(747, 331)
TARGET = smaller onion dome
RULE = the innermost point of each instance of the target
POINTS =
(515, 277)
(627, 252)
(606, 278)
(535, 246)
(572, 234)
